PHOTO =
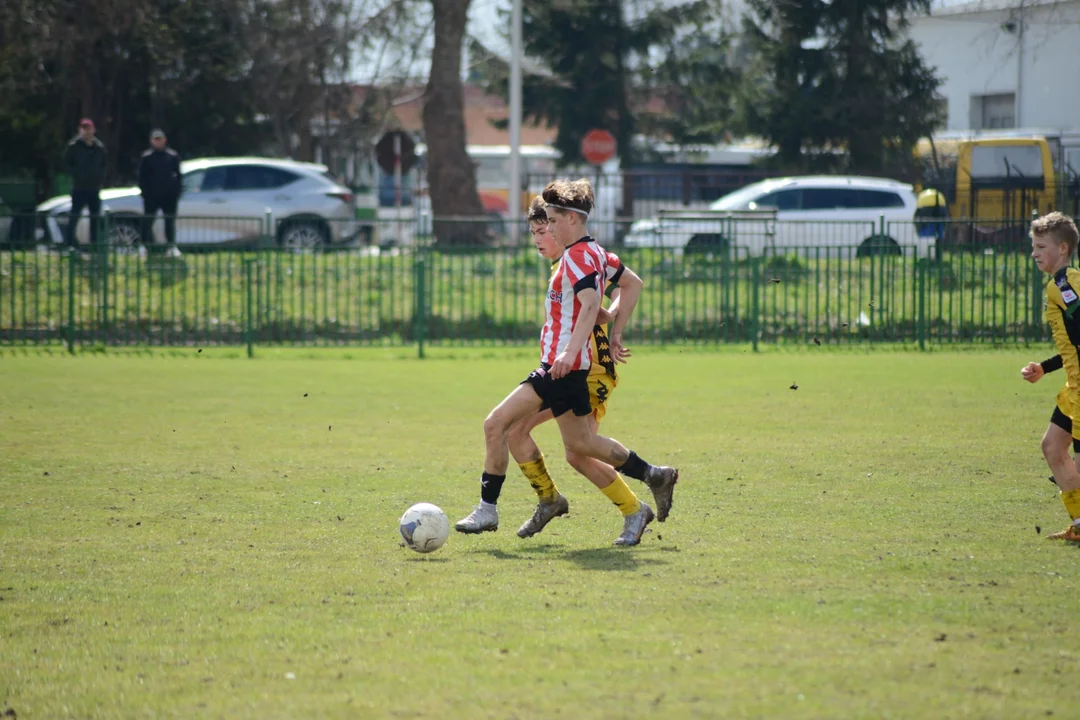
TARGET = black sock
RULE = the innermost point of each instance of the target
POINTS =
(634, 467)
(491, 487)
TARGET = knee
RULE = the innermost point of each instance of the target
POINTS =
(495, 428)
(576, 447)
(516, 434)
(1051, 449)
(576, 461)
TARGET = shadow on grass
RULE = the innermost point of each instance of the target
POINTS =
(612, 558)
(523, 554)
(428, 559)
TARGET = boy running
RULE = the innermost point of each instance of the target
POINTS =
(1053, 243)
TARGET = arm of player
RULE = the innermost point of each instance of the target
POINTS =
(630, 286)
(1033, 372)
(590, 305)
(605, 315)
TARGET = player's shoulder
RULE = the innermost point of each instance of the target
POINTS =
(172, 153)
(1063, 281)
(148, 152)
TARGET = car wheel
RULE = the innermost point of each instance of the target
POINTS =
(707, 244)
(303, 235)
(878, 245)
(125, 232)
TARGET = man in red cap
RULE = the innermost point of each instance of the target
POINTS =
(84, 159)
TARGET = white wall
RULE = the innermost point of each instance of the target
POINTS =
(976, 55)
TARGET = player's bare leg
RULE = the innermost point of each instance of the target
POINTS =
(1055, 448)
(580, 438)
(551, 503)
(519, 404)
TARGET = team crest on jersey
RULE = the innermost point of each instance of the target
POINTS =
(555, 296)
(1068, 295)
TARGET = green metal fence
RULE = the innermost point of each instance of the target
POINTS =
(929, 293)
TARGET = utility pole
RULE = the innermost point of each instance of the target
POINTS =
(516, 52)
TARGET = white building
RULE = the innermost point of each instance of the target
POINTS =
(1005, 63)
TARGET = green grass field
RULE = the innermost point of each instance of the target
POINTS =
(198, 535)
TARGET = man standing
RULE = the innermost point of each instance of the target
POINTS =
(159, 181)
(84, 159)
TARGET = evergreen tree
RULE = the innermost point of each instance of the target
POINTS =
(601, 59)
(836, 84)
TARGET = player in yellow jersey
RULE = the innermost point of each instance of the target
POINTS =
(1053, 243)
(602, 380)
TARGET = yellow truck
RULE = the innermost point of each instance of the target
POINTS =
(980, 192)
(991, 179)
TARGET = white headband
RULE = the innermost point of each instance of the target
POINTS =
(563, 207)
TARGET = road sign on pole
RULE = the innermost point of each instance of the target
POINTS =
(387, 158)
(598, 146)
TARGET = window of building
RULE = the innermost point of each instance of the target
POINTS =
(993, 112)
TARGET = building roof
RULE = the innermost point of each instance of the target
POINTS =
(481, 109)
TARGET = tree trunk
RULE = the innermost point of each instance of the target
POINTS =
(451, 176)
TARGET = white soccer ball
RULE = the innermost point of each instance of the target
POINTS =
(424, 527)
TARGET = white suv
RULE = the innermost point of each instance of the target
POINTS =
(225, 200)
(793, 212)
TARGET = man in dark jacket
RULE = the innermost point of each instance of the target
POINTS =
(84, 159)
(159, 181)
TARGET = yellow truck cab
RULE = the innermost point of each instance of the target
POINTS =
(991, 178)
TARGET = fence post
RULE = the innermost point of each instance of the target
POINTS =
(249, 294)
(420, 313)
(269, 228)
(72, 256)
(755, 308)
(103, 261)
(921, 279)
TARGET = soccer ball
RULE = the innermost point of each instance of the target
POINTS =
(424, 527)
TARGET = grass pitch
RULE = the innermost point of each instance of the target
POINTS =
(195, 535)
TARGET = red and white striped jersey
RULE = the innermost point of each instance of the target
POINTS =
(583, 265)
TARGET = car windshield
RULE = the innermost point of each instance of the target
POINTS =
(740, 199)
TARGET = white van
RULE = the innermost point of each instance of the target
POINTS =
(792, 212)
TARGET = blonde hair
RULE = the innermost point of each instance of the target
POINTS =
(572, 194)
(1059, 227)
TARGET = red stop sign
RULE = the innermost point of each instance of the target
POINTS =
(598, 146)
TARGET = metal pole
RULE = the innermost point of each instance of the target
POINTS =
(1019, 66)
(397, 184)
(755, 307)
(920, 268)
(421, 303)
(516, 52)
(249, 315)
(72, 256)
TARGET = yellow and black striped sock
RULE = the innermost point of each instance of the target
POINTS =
(537, 474)
(1071, 500)
(624, 498)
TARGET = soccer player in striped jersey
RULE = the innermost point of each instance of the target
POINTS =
(602, 380)
(561, 382)
(1054, 239)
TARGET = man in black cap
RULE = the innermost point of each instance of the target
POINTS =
(84, 158)
(159, 181)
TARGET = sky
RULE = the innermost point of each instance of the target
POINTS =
(485, 21)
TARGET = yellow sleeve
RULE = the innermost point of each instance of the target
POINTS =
(601, 353)
(1063, 315)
